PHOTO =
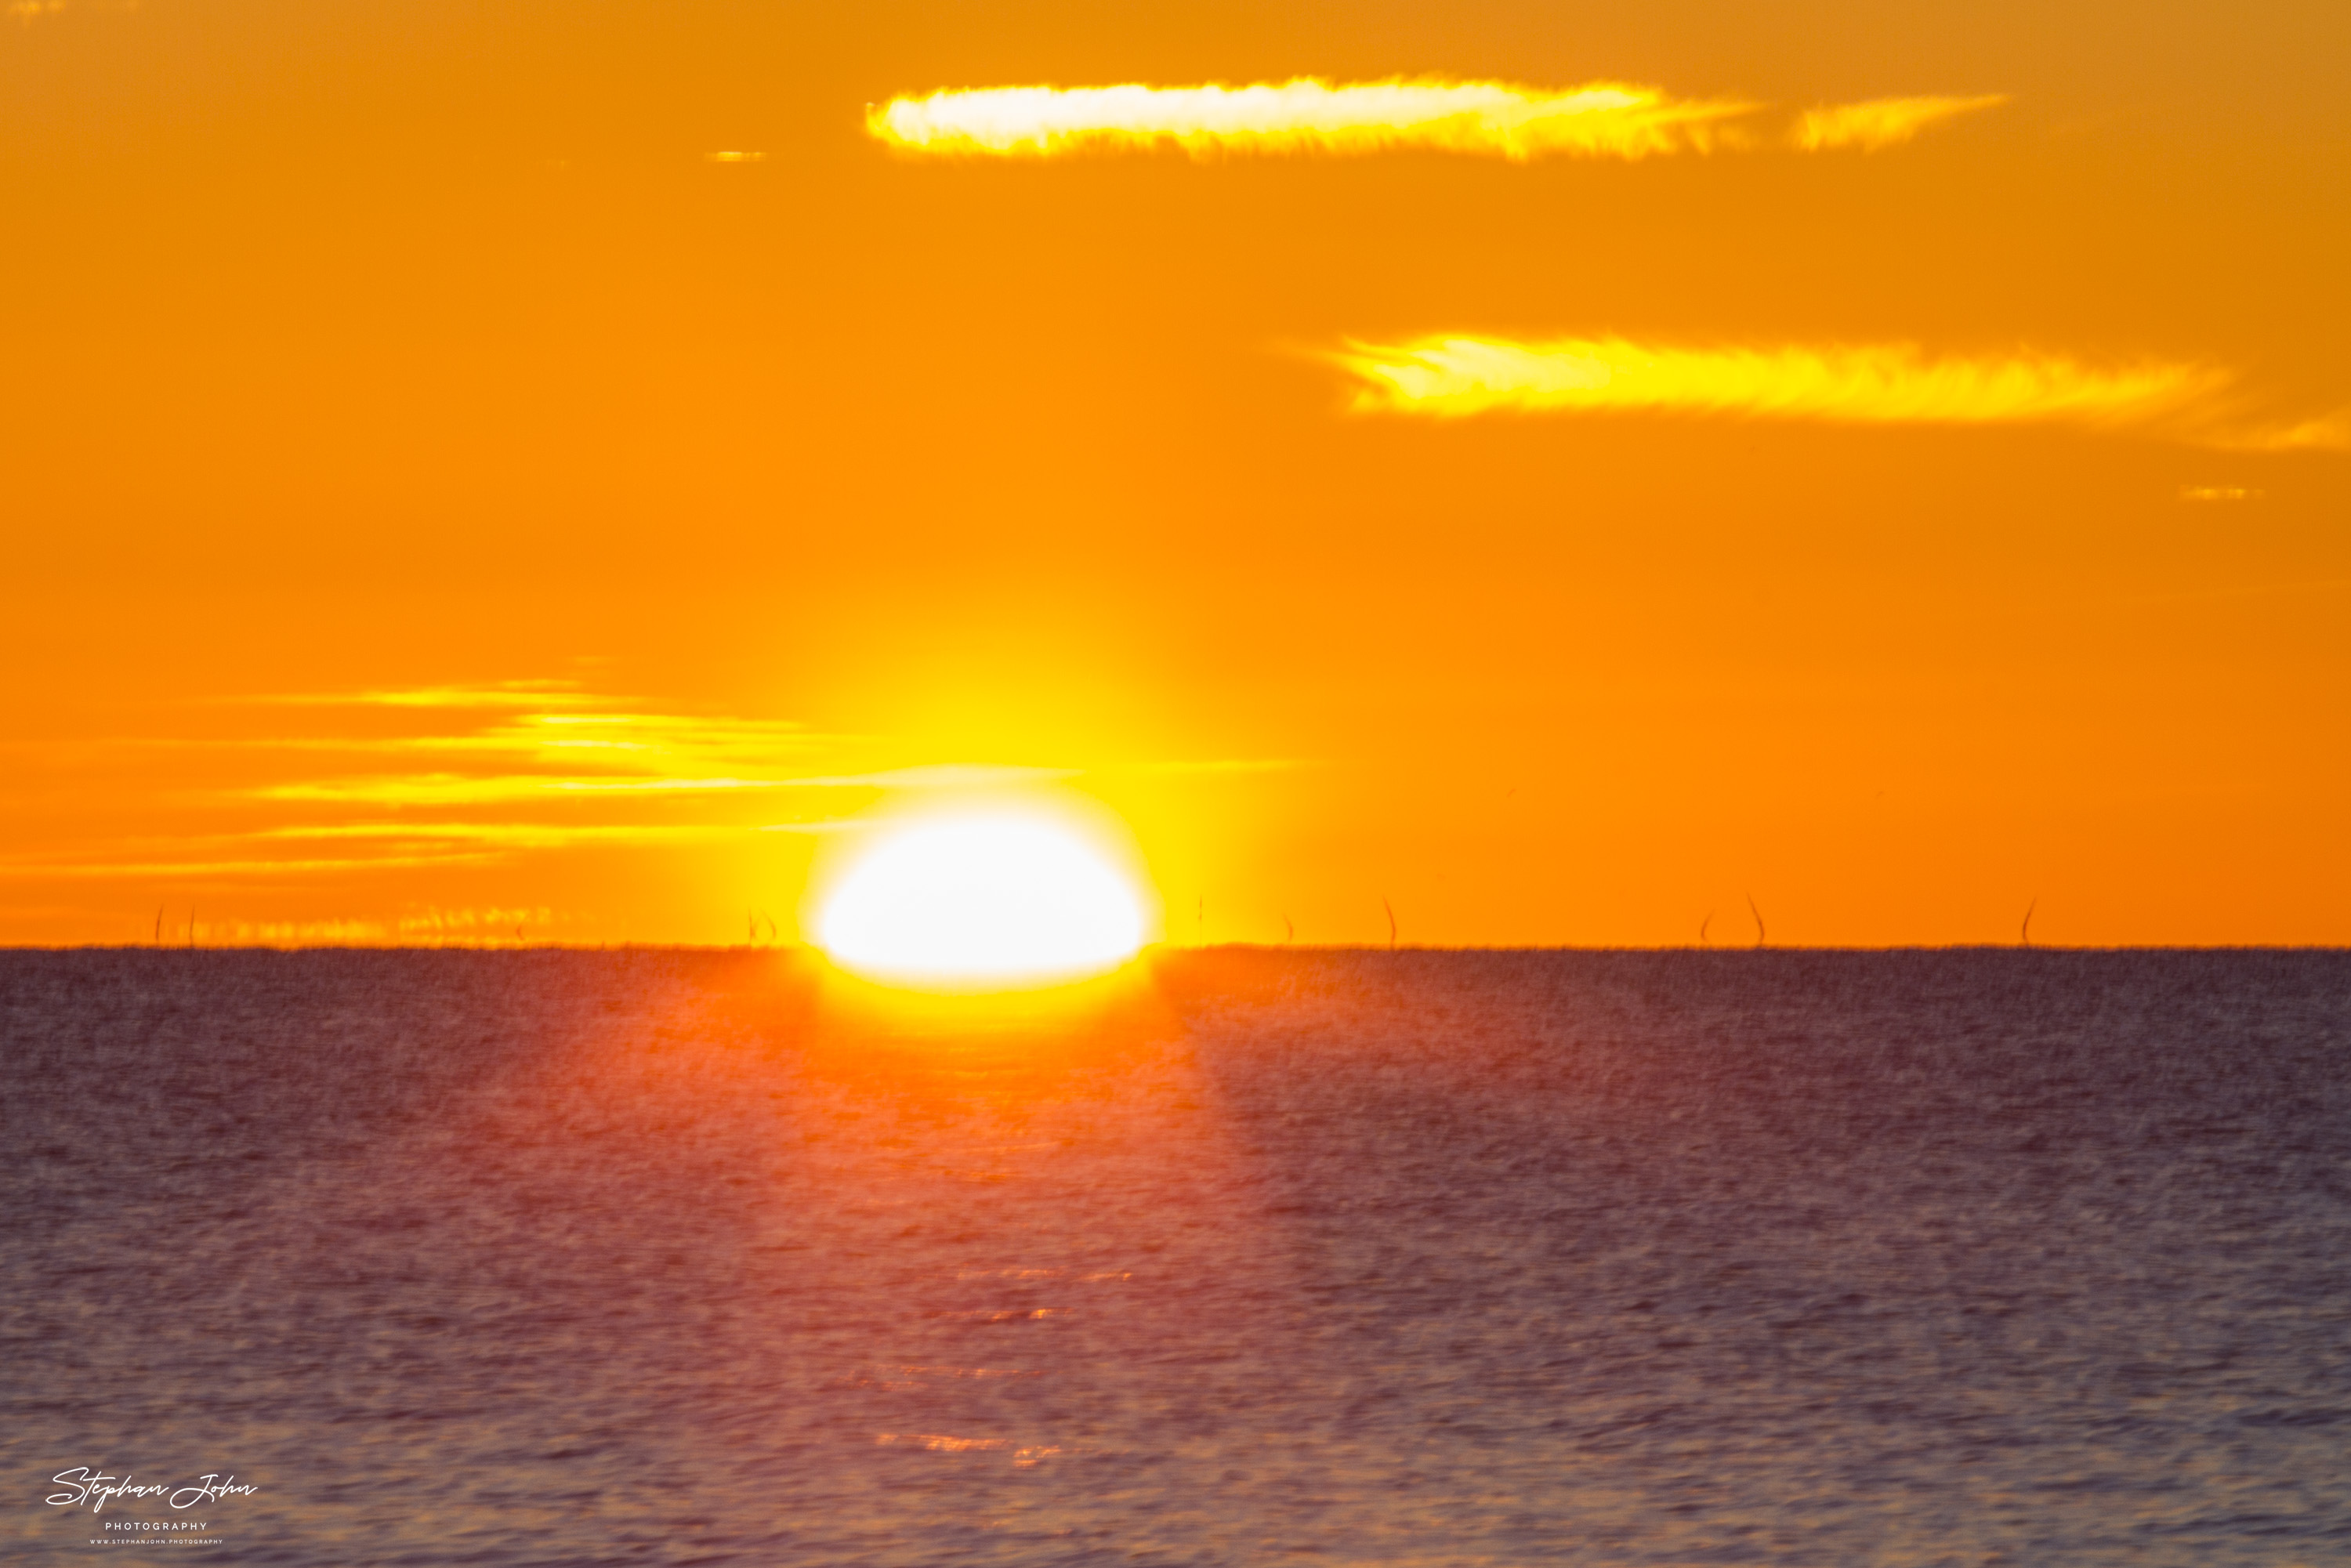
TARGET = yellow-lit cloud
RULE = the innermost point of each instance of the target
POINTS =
(2328, 432)
(1880, 123)
(637, 741)
(1503, 120)
(1873, 383)
(517, 835)
(537, 768)
(938, 776)
(249, 868)
(1613, 119)
(494, 695)
(462, 789)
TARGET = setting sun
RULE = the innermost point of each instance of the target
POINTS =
(980, 901)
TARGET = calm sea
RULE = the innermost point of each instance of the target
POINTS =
(1966, 1257)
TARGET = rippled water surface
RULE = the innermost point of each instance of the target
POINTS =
(1436, 1258)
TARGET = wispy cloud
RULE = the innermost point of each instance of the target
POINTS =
(1881, 121)
(1873, 383)
(1612, 119)
(474, 789)
(942, 776)
(465, 789)
(514, 835)
(630, 741)
(2328, 432)
(247, 869)
(1501, 120)
(533, 767)
(491, 695)
(362, 846)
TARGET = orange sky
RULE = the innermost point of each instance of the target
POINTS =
(400, 397)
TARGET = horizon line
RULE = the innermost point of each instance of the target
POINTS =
(1166, 949)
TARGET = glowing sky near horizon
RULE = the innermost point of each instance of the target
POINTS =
(1554, 472)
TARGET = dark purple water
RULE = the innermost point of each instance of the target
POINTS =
(1431, 1259)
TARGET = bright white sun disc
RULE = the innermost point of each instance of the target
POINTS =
(980, 900)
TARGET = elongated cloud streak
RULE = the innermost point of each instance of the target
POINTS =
(2328, 432)
(1878, 383)
(182, 868)
(540, 767)
(1612, 119)
(497, 695)
(1598, 119)
(463, 790)
(1881, 123)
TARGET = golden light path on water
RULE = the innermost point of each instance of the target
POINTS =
(981, 899)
